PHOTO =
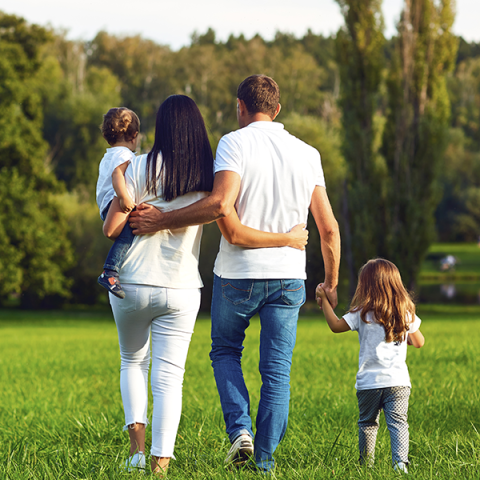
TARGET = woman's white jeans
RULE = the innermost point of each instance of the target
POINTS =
(167, 315)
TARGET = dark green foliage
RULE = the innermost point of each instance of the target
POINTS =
(35, 248)
(143, 68)
(392, 192)
(416, 130)
(53, 93)
(359, 49)
(467, 50)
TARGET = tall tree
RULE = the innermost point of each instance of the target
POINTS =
(75, 96)
(360, 57)
(416, 130)
(35, 249)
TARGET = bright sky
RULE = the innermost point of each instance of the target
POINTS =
(171, 22)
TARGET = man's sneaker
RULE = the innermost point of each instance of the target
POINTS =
(135, 462)
(112, 284)
(241, 451)
(400, 467)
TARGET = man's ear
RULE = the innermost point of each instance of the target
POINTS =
(242, 108)
(277, 111)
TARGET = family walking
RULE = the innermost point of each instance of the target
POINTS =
(259, 189)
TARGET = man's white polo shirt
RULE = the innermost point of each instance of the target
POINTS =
(278, 174)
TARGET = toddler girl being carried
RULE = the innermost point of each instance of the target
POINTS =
(120, 128)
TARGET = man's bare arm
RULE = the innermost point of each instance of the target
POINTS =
(236, 233)
(220, 203)
(329, 239)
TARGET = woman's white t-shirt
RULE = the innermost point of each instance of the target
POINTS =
(380, 364)
(168, 258)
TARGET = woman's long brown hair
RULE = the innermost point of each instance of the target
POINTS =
(380, 290)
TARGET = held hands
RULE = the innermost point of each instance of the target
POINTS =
(326, 294)
(298, 236)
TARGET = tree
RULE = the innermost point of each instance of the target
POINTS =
(35, 249)
(417, 128)
(75, 96)
(143, 67)
(359, 51)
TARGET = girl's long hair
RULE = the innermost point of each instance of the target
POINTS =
(380, 290)
(187, 159)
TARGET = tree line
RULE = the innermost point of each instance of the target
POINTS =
(395, 120)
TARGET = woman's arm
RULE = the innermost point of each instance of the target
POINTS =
(237, 234)
(115, 221)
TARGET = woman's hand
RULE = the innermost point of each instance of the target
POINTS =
(298, 236)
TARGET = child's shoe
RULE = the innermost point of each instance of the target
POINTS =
(400, 467)
(112, 284)
(135, 462)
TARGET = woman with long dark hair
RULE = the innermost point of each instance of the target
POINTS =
(160, 277)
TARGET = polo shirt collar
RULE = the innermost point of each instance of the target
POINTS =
(266, 125)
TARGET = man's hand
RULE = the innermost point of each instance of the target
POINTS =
(298, 236)
(330, 293)
(146, 219)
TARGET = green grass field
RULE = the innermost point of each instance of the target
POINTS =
(61, 414)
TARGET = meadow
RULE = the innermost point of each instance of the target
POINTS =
(61, 413)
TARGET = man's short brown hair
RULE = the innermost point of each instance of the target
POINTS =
(260, 94)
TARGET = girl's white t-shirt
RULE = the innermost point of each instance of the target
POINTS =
(380, 364)
(113, 157)
(168, 258)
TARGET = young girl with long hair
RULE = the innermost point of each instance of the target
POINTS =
(161, 280)
(383, 314)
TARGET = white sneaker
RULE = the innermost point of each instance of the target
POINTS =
(241, 450)
(400, 467)
(135, 462)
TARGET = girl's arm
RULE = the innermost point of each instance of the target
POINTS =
(337, 325)
(416, 339)
(237, 234)
(120, 187)
(115, 221)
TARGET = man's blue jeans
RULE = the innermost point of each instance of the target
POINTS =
(234, 303)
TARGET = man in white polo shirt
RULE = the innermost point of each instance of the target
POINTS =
(272, 179)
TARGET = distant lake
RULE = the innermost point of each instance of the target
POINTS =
(463, 293)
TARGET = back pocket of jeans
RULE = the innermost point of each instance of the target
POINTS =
(237, 291)
(293, 292)
(129, 303)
